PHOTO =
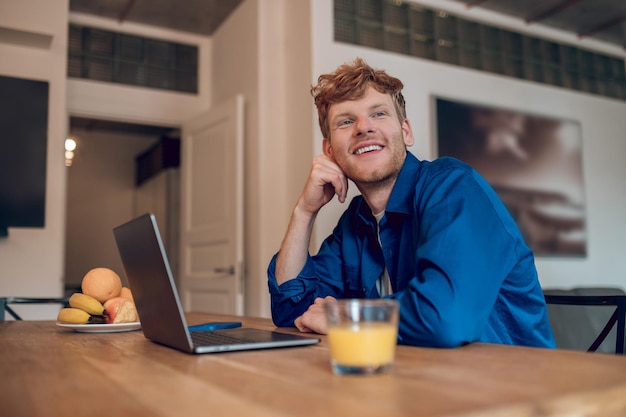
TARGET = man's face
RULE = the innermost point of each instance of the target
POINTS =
(367, 140)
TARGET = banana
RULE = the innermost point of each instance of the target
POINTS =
(86, 303)
(73, 315)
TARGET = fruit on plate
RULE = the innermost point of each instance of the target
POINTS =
(119, 310)
(125, 293)
(103, 300)
(71, 315)
(86, 303)
(102, 284)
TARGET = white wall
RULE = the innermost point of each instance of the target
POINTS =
(100, 195)
(235, 71)
(263, 52)
(33, 45)
(119, 102)
(603, 124)
(285, 128)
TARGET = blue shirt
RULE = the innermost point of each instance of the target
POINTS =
(458, 264)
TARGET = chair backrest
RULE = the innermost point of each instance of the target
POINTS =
(590, 319)
(6, 301)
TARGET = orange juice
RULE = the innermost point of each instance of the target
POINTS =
(362, 344)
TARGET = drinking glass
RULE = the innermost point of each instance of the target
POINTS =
(362, 334)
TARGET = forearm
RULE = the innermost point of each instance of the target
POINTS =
(305, 280)
(295, 245)
(325, 181)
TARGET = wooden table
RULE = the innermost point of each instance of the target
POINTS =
(46, 370)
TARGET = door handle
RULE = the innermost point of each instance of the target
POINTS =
(230, 270)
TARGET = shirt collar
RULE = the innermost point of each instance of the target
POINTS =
(404, 188)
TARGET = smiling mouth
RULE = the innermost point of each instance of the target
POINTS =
(366, 149)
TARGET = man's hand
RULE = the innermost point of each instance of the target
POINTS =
(325, 180)
(314, 319)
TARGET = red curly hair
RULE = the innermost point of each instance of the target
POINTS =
(350, 82)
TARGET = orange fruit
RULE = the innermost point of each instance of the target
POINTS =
(102, 284)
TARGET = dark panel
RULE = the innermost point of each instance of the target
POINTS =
(23, 147)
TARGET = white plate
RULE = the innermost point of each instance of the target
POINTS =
(102, 328)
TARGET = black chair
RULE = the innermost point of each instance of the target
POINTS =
(590, 319)
(5, 301)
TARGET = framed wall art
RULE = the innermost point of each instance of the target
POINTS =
(533, 162)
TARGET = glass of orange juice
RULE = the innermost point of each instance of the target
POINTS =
(362, 335)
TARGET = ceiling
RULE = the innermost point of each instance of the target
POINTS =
(603, 20)
(196, 16)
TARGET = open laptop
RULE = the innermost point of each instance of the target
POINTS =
(158, 305)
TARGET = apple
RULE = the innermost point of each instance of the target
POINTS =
(126, 293)
(119, 310)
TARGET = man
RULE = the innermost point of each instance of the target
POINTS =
(432, 235)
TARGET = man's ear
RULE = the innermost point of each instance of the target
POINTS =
(407, 133)
(327, 148)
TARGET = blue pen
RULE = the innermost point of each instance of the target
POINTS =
(215, 325)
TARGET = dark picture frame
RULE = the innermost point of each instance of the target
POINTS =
(533, 162)
(23, 152)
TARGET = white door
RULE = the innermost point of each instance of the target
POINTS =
(211, 261)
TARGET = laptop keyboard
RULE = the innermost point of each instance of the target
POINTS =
(209, 338)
